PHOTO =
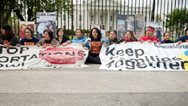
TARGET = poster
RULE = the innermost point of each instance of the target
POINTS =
(24, 25)
(124, 23)
(139, 25)
(45, 20)
(33, 57)
(158, 32)
(101, 27)
(145, 56)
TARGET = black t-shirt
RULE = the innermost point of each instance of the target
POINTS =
(65, 39)
(47, 42)
(26, 41)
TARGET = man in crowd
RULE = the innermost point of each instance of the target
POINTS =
(183, 38)
(149, 36)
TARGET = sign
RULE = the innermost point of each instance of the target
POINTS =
(31, 57)
(134, 23)
(145, 56)
(24, 25)
(45, 20)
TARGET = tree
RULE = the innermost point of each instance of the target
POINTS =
(31, 6)
(177, 20)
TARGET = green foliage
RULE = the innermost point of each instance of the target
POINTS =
(177, 20)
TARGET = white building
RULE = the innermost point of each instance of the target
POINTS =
(99, 12)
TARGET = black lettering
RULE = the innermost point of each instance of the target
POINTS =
(13, 65)
(120, 52)
(58, 53)
(81, 53)
(25, 57)
(67, 53)
(166, 59)
(119, 63)
(130, 64)
(110, 64)
(23, 49)
(1, 49)
(174, 66)
(42, 54)
(4, 57)
(33, 57)
(109, 51)
(183, 64)
(129, 52)
(139, 52)
(13, 48)
(1, 65)
(16, 58)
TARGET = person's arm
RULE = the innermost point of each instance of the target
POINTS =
(14, 42)
(1, 41)
(40, 42)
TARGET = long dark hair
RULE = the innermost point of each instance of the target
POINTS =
(116, 35)
(132, 35)
(99, 34)
(8, 32)
(30, 31)
(59, 30)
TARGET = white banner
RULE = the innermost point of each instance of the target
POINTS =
(31, 57)
(145, 56)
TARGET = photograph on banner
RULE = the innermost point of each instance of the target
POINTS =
(101, 27)
(139, 25)
(24, 25)
(158, 32)
(124, 23)
(45, 20)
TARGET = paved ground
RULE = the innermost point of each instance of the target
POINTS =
(92, 87)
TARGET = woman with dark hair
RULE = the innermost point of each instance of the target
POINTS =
(94, 45)
(111, 40)
(7, 38)
(29, 39)
(48, 39)
(166, 37)
(61, 37)
(128, 37)
(79, 38)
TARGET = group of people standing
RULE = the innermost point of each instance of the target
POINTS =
(93, 43)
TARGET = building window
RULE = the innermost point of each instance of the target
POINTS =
(110, 18)
(80, 17)
(100, 18)
(92, 18)
(64, 17)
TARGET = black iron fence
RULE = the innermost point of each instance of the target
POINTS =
(73, 14)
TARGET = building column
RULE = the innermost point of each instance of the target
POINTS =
(108, 21)
(99, 14)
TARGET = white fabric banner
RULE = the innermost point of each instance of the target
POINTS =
(31, 57)
(145, 56)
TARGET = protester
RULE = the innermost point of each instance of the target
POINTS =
(111, 40)
(94, 45)
(128, 37)
(149, 36)
(183, 38)
(61, 37)
(29, 39)
(7, 38)
(48, 39)
(166, 37)
(79, 38)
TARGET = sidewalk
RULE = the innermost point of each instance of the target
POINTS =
(93, 87)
